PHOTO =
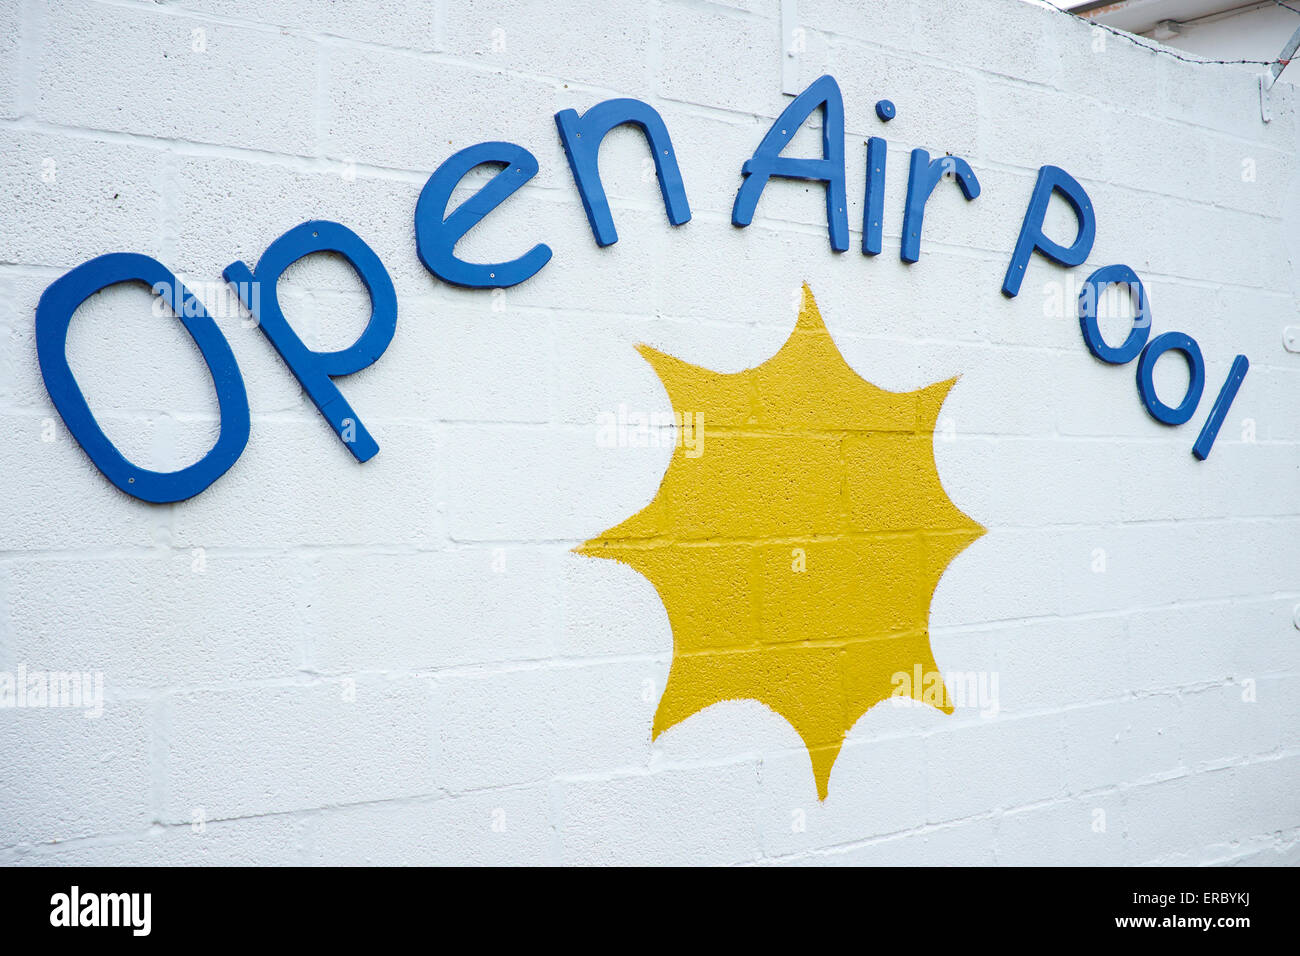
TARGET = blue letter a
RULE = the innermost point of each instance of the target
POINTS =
(767, 160)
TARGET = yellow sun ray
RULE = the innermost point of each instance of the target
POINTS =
(797, 555)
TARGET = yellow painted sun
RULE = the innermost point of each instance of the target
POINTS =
(796, 544)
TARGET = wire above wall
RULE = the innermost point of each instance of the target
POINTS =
(1161, 50)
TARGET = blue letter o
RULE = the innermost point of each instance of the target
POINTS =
(53, 315)
(1090, 297)
(1195, 368)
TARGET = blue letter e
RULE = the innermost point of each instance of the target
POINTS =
(436, 237)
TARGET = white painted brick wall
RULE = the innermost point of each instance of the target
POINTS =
(320, 662)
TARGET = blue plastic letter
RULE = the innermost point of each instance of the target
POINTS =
(1176, 341)
(767, 160)
(921, 180)
(53, 315)
(1090, 297)
(873, 213)
(436, 237)
(257, 290)
(1210, 430)
(582, 136)
(1051, 178)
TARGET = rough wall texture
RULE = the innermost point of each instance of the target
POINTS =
(403, 661)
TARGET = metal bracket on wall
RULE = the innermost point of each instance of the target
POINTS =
(792, 44)
(1268, 78)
